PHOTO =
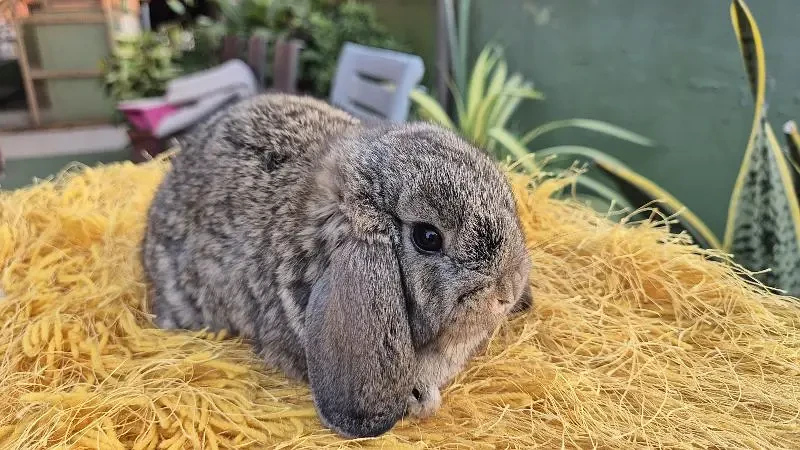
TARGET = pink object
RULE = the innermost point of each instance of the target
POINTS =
(145, 114)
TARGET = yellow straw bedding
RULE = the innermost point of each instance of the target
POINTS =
(636, 339)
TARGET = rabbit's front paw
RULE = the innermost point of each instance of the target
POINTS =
(424, 401)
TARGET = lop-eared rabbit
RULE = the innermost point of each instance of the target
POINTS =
(370, 260)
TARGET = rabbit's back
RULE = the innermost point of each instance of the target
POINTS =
(223, 246)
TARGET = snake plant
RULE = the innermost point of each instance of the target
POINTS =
(763, 229)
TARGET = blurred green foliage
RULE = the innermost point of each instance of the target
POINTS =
(323, 26)
(140, 66)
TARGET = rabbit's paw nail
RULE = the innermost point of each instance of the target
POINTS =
(424, 401)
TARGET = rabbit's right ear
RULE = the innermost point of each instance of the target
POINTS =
(359, 352)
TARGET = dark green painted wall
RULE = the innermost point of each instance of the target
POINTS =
(667, 69)
(414, 22)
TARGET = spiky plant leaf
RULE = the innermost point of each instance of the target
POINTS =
(763, 230)
(600, 190)
(512, 144)
(792, 137)
(477, 86)
(430, 109)
(587, 124)
(638, 187)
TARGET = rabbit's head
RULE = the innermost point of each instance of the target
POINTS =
(426, 257)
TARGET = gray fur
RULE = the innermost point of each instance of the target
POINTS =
(288, 222)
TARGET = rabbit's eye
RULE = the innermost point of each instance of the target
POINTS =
(426, 238)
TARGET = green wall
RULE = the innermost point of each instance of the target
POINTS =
(413, 22)
(670, 70)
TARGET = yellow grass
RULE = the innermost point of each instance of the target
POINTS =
(636, 340)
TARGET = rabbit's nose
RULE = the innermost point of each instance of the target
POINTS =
(424, 401)
(504, 292)
(503, 295)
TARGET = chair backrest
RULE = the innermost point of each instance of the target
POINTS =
(257, 57)
(286, 59)
(286, 65)
(373, 83)
(232, 47)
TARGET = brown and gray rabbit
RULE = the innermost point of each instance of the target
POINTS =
(371, 261)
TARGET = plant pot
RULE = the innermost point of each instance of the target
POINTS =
(146, 113)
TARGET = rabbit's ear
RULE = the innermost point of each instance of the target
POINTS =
(358, 342)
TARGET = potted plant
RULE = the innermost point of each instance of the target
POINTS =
(140, 66)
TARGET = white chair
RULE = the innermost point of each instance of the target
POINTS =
(375, 84)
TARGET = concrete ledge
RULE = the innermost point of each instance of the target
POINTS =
(73, 141)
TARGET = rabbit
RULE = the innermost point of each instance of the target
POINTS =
(371, 261)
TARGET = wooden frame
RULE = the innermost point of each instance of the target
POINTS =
(27, 80)
(65, 12)
(63, 18)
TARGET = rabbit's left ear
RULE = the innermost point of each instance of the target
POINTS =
(358, 341)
